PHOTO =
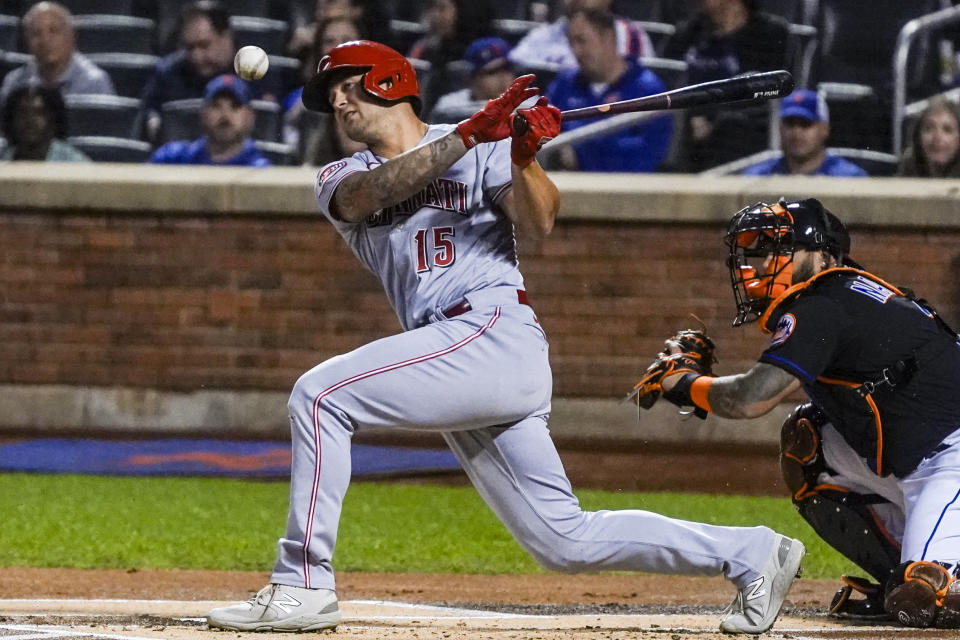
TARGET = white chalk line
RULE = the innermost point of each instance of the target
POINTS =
(39, 632)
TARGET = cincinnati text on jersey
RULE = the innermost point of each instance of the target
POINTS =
(448, 195)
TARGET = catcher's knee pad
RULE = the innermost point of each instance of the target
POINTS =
(923, 594)
(842, 518)
(801, 457)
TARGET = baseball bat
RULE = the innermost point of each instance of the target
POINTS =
(755, 87)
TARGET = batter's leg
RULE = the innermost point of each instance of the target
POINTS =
(433, 377)
(520, 476)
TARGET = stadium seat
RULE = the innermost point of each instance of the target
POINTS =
(10, 60)
(181, 120)
(545, 74)
(128, 71)
(110, 149)
(875, 163)
(658, 32)
(512, 30)
(102, 115)
(284, 77)
(9, 33)
(269, 35)
(103, 33)
(115, 7)
(857, 117)
(672, 72)
(791, 10)
(854, 50)
(403, 33)
(642, 10)
(268, 115)
(254, 8)
(277, 152)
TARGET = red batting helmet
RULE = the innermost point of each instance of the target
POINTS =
(376, 61)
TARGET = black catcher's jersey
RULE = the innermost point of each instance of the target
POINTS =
(847, 327)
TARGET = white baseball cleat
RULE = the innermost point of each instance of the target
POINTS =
(758, 604)
(280, 607)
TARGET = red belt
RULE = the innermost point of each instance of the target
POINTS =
(463, 306)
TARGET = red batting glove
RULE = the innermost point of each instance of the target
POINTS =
(543, 125)
(493, 122)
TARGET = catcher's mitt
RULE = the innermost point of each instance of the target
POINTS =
(689, 351)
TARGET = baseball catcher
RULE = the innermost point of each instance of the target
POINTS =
(873, 460)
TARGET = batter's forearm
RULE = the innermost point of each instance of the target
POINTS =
(363, 193)
(534, 199)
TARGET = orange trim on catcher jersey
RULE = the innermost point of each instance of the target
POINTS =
(800, 286)
(876, 416)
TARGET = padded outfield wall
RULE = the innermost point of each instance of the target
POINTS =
(189, 300)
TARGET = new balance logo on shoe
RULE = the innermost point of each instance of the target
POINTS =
(758, 603)
(279, 607)
(755, 589)
(287, 604)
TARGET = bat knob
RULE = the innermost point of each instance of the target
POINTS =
(519, 125)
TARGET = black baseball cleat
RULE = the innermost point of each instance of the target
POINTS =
(869, 607)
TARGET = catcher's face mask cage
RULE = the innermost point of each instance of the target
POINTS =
(762, 239)
(761, 243)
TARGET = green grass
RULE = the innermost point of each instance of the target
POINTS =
(189, 523)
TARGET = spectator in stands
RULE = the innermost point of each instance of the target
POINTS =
(56, 64)
(227, 121)
(453, 24)
(35, 122)
(206, 51)
(723, 39)
(371, 17)
(490, 75)
(935, 143)
(318, 137)
(804, 129)
(604, 76)
(547, 46)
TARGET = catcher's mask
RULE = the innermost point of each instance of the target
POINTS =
(387, 75)
(762, 239)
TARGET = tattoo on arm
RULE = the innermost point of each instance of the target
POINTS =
(361, 194)
(751, 394)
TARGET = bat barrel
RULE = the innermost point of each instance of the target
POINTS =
(755, 87)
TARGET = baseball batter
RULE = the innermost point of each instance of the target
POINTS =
(873, 460)
(431, 210)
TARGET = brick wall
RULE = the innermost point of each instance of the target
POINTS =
(184, 302)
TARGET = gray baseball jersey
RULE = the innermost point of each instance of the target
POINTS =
(440, 244)
(482, 378)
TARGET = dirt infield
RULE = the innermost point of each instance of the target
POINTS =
(132, 605)
(45, 604)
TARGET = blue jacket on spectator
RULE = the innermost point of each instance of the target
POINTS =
(195, 152)
(833, 165)
(639, 149)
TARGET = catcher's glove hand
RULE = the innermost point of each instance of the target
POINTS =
(689, 351)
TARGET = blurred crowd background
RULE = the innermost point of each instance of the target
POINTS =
(150, 80)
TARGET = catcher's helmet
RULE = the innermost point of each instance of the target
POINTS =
(770, 234)
(379, 63)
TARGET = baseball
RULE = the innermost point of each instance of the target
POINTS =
(251, 62)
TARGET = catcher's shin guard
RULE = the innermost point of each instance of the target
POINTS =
(924, 594)
(843, 519)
